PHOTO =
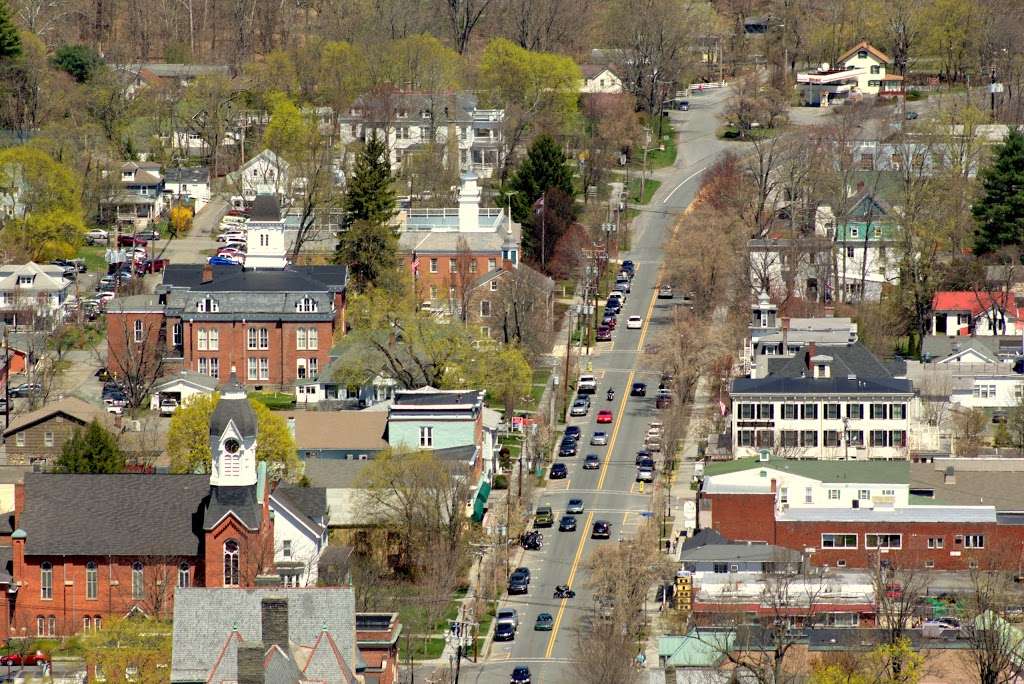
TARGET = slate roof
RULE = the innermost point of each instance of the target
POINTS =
(784, 385)
(188, 175)
(429, 396)
(304, 279)
(848, 359)
(70, 407)
(116, 515)
(308, 504)
(239, 501)
(234, 410)
(6, 564)
(334, 473)
(265, 208)
(204, 619)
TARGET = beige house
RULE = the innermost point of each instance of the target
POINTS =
(38, 437)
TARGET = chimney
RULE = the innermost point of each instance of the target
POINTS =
(250, 663)
(785, 335)
(774, 485)
(812, 351)
(207, 274)
(949, 477)
(469, 203)
(274, 614)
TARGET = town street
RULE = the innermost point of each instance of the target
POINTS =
(609, 493)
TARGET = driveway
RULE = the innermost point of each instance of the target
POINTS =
(192, 248)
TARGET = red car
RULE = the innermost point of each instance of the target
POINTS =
(29, 659)
(604, 416)
(131, 241)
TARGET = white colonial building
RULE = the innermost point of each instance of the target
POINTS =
(300, 533)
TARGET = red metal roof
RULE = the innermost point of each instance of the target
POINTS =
(974, 302)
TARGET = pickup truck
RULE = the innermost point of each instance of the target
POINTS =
(587, 384)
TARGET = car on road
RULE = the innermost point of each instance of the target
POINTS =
(599, 439)
(504, 631)
(580, 407)
(623, 280)
(567, 524)
(634, 323)
(524, 571)
(17, 659)
(629, 267)
(567, 448)
(574, 506)
(604, 334)
(622, 288)
(148, 234)
(543, 517)
(520, 675)
(604, 416)
(617, 294)
(573, 432)
(545, 622)
(131, 241)
(592, 462)
(639, 389)
(517, 584)
(222, 261)
(665, 292)
(587, 384)
(509, 616)
(559, 472)
(26, 389)
(611, 320)
(644, 474)
(602, 529)
(664, 399)
(96, 235)
(613, 306)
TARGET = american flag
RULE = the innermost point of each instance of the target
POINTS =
(415, 265)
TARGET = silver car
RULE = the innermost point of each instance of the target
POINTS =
(644, 474)
(599, 439)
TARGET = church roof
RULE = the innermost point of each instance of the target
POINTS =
(233, 407)
(265, 208)
(238, 501)
(116, 515)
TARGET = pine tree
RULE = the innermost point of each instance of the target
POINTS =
(543, 173)
(10, 41)
(1000, 210)
(93, 450)
(370, 251)
(369, 195)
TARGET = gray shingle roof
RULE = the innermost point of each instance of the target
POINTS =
(203, 621)
(785, 385)
(265, 208)
(435, 398)
(850, 359)
(231, 410)
(309, 504)
(239, 501)
(117, 515)
(188, 175)
(749, 553)
(334, 473)
(309, 279)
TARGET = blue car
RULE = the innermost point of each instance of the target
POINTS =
(222, 261)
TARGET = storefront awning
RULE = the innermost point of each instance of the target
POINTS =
(480, 501)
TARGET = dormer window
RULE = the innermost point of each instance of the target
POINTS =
(306, 305)
(207, 305)
(25, 279)
(402, 113)
(862, 54)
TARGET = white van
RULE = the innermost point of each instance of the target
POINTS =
(587, 384)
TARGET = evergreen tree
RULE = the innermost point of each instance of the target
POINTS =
(543, 173)
(80, 61)
(370, 251)
(10, 41)
(93, 450)
(369, 195)
(1000, 210)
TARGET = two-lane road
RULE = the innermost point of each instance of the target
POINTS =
(609, 493)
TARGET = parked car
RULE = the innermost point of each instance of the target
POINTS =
(644, 474)
(559, 472)
(148, 234)
(664, 399)
(642, 455)
(504, 631)
(587, 384)
(231, 237)
(168, 406)
(131, 241)
(26, 389)
(508, 616)
(599, 438)
(604, 334)
(154, 265)
(580, 407)
(602, 530)
(629, 267)
(16, 659)
(223, 261)
(518, 583)
(611, 320)
(574, 432)
(96, 235)
(543, 517)
(665, 292)
(624, 282)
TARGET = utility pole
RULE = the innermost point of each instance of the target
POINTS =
(568, 352)
(992, 92)
(7, 382)
(543, 229)
(461, 634)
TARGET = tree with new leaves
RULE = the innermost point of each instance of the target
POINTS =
(188, 439)
(10, 41)
(129, 649)
(543, 171)
(92, 450)
(999, 212)
(181, 220)
(370, 196)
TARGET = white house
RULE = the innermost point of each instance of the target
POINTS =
(188, 185)
(266, 173)
(861, 70)
(300, 518)
(183, 388)
(33, 294)
(991, 392)
(598, 78)
(975, 313)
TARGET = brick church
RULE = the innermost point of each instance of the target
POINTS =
(88, 547)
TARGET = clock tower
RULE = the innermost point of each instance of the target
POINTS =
(233, 431)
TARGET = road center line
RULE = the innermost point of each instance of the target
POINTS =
(572, 574)
(682, 183)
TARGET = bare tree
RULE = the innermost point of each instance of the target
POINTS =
(995, 643)
(463, 16)
(462, 279)
(136, 355)
(898, 584)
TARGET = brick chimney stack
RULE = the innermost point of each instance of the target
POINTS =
(274, 614)
(207, 274)
(812, 351)
(250, 663)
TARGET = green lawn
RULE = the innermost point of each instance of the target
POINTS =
(431, 649)
(275, 401)
(657, 159)
(732, 133)
(93, 257)
(650, 187)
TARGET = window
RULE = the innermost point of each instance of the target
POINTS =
(840, 563)
(854, 232)
(207, 305)
(855, 437)
(48, 438)
(264, 369)
(876, 69)
(300, 338)
(138, 584)
(862, 54)
(876, 232)
(808, 438)
(494, 285)
(42, 627)
(888, 492)
(312, 339)
(765, 438)
(201, 340)
(972, 564)
(485, 308)
(184, 578)
(974, 541)
(864, 494)
(929, 564)
(426, 436)
(874, 84)
(831, 438)
(492, 264)
(766, 411)
(300, 368)
(838, 541)
(883, 541)
(746, 411)
(138, 330)
(306, 305)
(855, 411)
(314, 366)
(453, 266)
(809, 411)
(214, 339)
(87, 624)
(433, 265)
(784, 495)
(91, 580)
(878, 438)
(720, 568)
(215, 368)
(898, 411)
(788, 438)
(831, 411)
(808, 495)
(176, 334)
(472, 265)
(789, 412)
(251, 372)
(878, 411)
(24, 280)
(849, 252)
(833, 495)
(745, 438)
(231, 563)
(936, 542)
(898, 438)
(19, 439)
(46, 580)
(286, 548)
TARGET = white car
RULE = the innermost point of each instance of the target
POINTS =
(168, 406)
(634, 322)
(587, 384)
(96, 235)
(231, 237)
(236, 220)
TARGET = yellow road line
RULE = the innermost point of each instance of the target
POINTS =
(624, 396)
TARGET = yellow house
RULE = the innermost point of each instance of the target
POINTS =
(870, 64)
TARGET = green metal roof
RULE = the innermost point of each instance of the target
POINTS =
(880, 472)
(706, 650)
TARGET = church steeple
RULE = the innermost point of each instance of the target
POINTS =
(233, 430)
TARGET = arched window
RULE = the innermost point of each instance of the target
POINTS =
(46, 580)
(91, 580)
(97, 622)
(51, 624)
(231, 563)
(306, 305)
(86, 623)
(138, 586)
(183, 575)
(40, 626)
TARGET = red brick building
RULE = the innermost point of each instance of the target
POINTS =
(88, 547)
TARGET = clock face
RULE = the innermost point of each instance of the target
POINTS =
(231, 446)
